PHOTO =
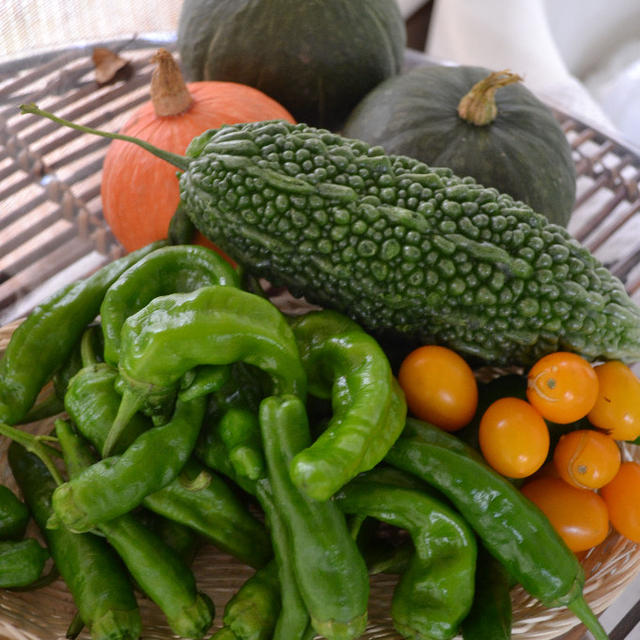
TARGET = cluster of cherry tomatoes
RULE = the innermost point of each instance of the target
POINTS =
(582, 484)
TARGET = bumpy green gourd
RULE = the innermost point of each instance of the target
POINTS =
(403, 247)
(400, 247)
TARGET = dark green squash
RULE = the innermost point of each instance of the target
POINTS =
(515, 143)
(318, 59)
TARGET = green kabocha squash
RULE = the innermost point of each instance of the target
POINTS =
(478, 123)
(318, 59)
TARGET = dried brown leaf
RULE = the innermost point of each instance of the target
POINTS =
(107, 64)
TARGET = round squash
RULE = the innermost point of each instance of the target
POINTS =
(318, 59)
(140, 192)
(480, 124)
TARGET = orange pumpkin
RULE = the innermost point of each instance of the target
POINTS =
(139, 191)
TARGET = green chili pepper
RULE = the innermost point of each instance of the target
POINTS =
(14, 515)
(182, 539)
(172, 269)
(21, 562)
(252, 612)
(92, 571)
(92, 403)
(114, 486)
(369, 410)
(47, 337)
(212, 325)
(435, 591)
(500, 515)
(240, 432)
(491, 613)
(157, 569)
(331, 573)
(209, 508)
(212, 509)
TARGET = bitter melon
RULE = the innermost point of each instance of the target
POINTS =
(399, 246)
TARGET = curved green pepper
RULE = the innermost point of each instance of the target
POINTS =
(47, 337)
(369, 410)
(331, 573)
(157, 568)
(511, 527)
(91, 401)
(435, 591)
(177, 268)
(213, 325)
(21, 562)
(113, 486)
(90, 568)
(14, 515)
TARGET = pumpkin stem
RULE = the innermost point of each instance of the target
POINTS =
(181, 162)
(169, 93)
(479, 105)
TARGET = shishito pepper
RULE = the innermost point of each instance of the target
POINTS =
(435, 591)
(114, 486)
(21, 562)
(47, 337)
(92, 571)
(171, 269)
(157, 568)
(512, 529)
(345, 364)
(330, 572)
(214, 325)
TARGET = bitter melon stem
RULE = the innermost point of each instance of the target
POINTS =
(181, 162)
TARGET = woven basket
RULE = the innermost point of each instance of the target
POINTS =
(52, 232)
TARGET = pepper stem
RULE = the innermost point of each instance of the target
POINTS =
(35, 444)
(130, 403)
(181, 162)
(585, 614)
(169, 93)
(479, 105)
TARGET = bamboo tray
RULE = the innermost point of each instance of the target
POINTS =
(52, 232)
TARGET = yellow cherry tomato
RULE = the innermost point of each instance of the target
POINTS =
(580, 516)
(439, 386)
(617, 406)
(562, 386)
(587, 459)
(513, 437)
(622, 496)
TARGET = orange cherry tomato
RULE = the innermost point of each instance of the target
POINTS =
(617, 406)
(562, 386)
(580, 516)
(439, 386)
(622, 496)
(513, 437)
(587, 459)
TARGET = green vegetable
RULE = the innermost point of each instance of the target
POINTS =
(401, 248)
(14, 515)
(21, 562)
(213, 325)
(491, 615)
(477, 123)
(499, 514)
(316, 59)
(169, 269)
(345, 364)
(91, 570)
(330, 572)
(157, 568)
(436, 590)
(114, 486)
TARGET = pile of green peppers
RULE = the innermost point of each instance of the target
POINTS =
(188, 409)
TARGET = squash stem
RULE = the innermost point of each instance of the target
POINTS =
(169, 93)
(478, 107)
(181, 162)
